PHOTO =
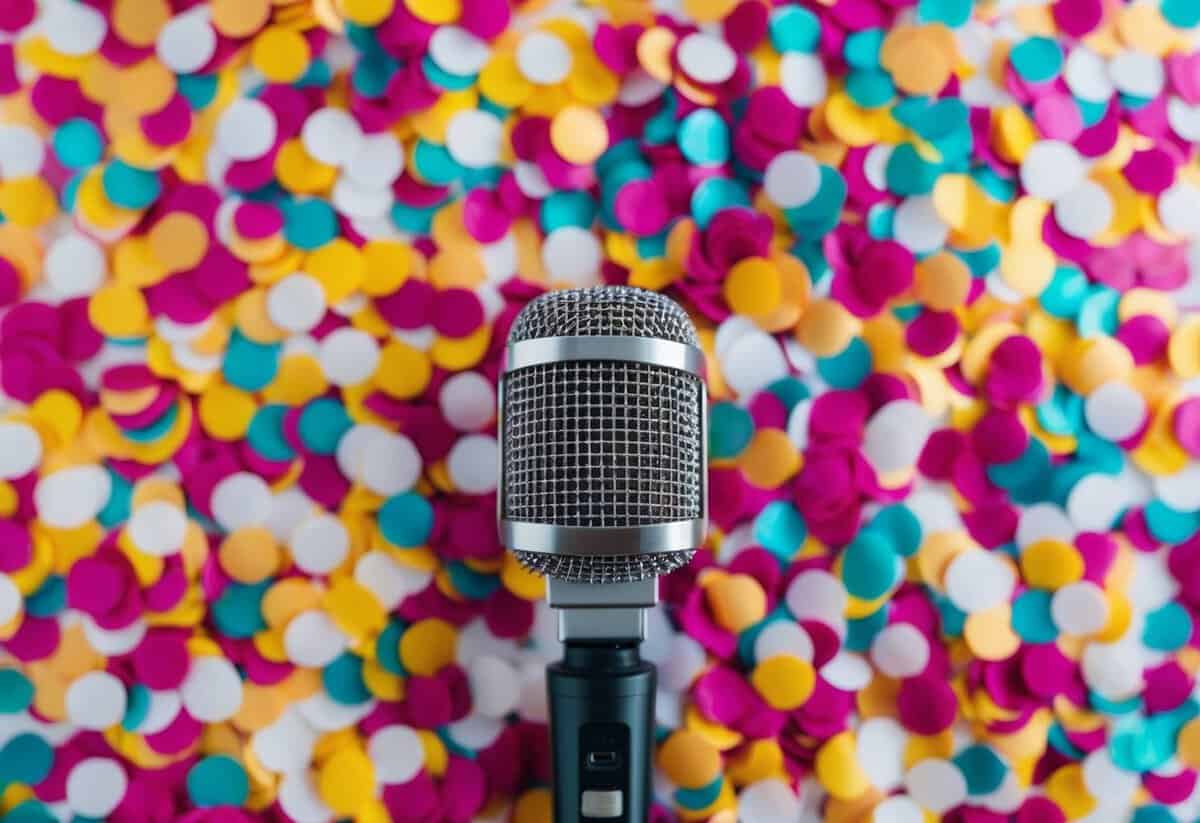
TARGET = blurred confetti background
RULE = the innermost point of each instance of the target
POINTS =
(258, 261)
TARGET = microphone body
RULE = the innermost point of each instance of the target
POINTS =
(602, 489)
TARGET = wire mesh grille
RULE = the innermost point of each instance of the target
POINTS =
(603, 310)
(619, 569)
(602, 444)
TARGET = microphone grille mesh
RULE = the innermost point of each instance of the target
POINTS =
(623, 311)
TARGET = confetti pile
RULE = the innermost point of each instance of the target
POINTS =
(258, 261)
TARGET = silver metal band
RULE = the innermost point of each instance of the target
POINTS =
(652, 351)
(679, 535)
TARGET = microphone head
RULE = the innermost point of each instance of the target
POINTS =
(603, 436)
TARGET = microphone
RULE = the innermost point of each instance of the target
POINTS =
(603, 487)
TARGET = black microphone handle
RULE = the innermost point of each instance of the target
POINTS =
(602, 733)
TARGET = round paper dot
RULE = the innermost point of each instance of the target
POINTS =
(767, 801)
(457, 50)
(246, 129)
(474, 138)
(74, 29)
(241, 499)
(95, 786)
(71, 497)
(706, 59)
(1085, 210)
(1080, 608)
(1137, 73)
(495, 688)
(390, 465)
(895, 435)
(977, 580)
(212, 691)
(781, 637)
(187, 42)
(331, 136)
(803, 79)
(543, 58)
(880, 751)
(21, 152)
(348, 356)
(573, 255)
(467, 401)
(898, 809)
(378, 161)
(312, 639)
(1179, 209)
(397, 753)
(936, 784)
(20, 450)
(1095, 502)
(75, 265)
(158, 528)
(296, 303)
(1181, 490)
(1051, 169)
(792, 179)
(320, 544)
(11, 600)
(1115, 411)
(900, 650)
(298, 798)
(96, 700)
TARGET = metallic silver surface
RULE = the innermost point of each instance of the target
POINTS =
(565, 594)
(546, 350)
(603, 310)
(614, 569)
(602, 624)
(679, 535)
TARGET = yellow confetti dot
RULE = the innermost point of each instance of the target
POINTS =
(1051, 564)
(340, 268)
(501, 81)
(146, 87)
(1183, 350)
(249, 554)
(427, 645)
(404, 371)
(838, 770)
(521, 581)
(917, 58)
(281, 54)
(989, 633)
(355, 609)
(437, 12)
(179, 241)
(299, 380)
(1187, 747)
(299, 172)
(458, 353)
(754, 286)
(688, 760)
(1090, 363)
(388, 264)
(737, 601)
(826, 328)
(240, 18)
(1067, 789)
(59, 412)
(784, 681)
(757, 760)
(119, 311)
(579, 134)
(533, 806)
(226, 411)
(347, 780)
(770, 460)
(138, 22)
(27, 201)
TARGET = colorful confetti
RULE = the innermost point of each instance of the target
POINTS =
(258, 262)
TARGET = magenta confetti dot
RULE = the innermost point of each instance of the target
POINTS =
(1058, 117)
(926, 705)
(1146, 337)
(36, 639)
(16, 546)
(171, 124)
(10, 283)
(161, 660)
(999, 436)
(745, 26)
(17, 14)
(257, 221)
(180, 733)
(1078, 17)
(932, 332)
(1186, 424)
(1151, 171)
(484, 217)
(409, 306)
(1046, 671)
(484, 18)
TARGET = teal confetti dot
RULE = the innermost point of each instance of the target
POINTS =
(444, 79)
(653, 247)
(387, 648)
(198, 89)
(953, 619)
(849, 368)
(471, 584)
(790, 391)
(900, 526)
(26, 759)
(372, 73)
(130, 187)
(344, 681)
(952, 13)
(1064, 295)
(1031, 618)
(714, 195)
(16, 691)
(47, 601)
(116, 510)
(780, 529)
(70, 193)
(826, 204)
(1062, 413)
(730, 429)
(413, 219)
(317, 75)
(1154, 813)
(406, 520)
(1168, 525)
(434, 163)
(567, 208)
(1037, 59)
(78, 144)
(982, 768)
(31, 811)
(701, 798)
(704, 138)
(793, 28)
(1168, 628)
(137, 706)
(1182, 14)
(238, 611)
(309, 224)
(748, 637)
(1140, 744)
(218, 780)
(869, 566)
(861, 49)
(881, 221)
(322, 425)
(1092, 111)
(250, 365)
(861, 632)
(1026, 469)
(1114, 708)
(156, 430)
(1098, 313)
(265, 434)
(996, 187)
(908, 173)
(1058, 739)
(982, 261)
(870, 88)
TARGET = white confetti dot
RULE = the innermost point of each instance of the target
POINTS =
(158, 528)
(1095, 502)
(458, 51)
(286, 745)
(474, 138)
(880, 751)
(241, 499)
(1179, 209)
(936, 784)
(467, 401)
(572, 254)
(95, 786)
(348, 356)
(706, 59)
(639, 88)
(246, 129)
(11, 600)
(543, 58)
(331, 136)
(1115, 411)
(1086, 74)
(1106, 782)
(473, 463)
(378, 161)
(114, 642)
(686, 660)
(71, 497)
(20, 450)
(187, 42)
(164, 707)
(1184, 118)
(768, 801)
(1052, 168)
(898, 809)
(475, 731)
(320, 544)
(1085, 211)
(1079, 608)
(1113, 670)
(847, 671)
(802, 78)
(1180, 491)
(754, 361)
(392, 465)
(397, 754)
(792, 179)
(296, 303)
(1137, 73)
(1152, 585)
(389, 581)
(935, 511)
(299, 800)
(783, 637)
(73, 29)
(900, 650)
(918, 227)
(75, 265)
(289, 508)
(96, 700)
(354, 446)
(21, 152)
(1044, 521)
(816, 594)
(495, 687)
(311, 639)
(212, 690)
(896, 434)
(978, 580)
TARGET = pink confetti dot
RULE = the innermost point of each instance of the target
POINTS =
(257, 221)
